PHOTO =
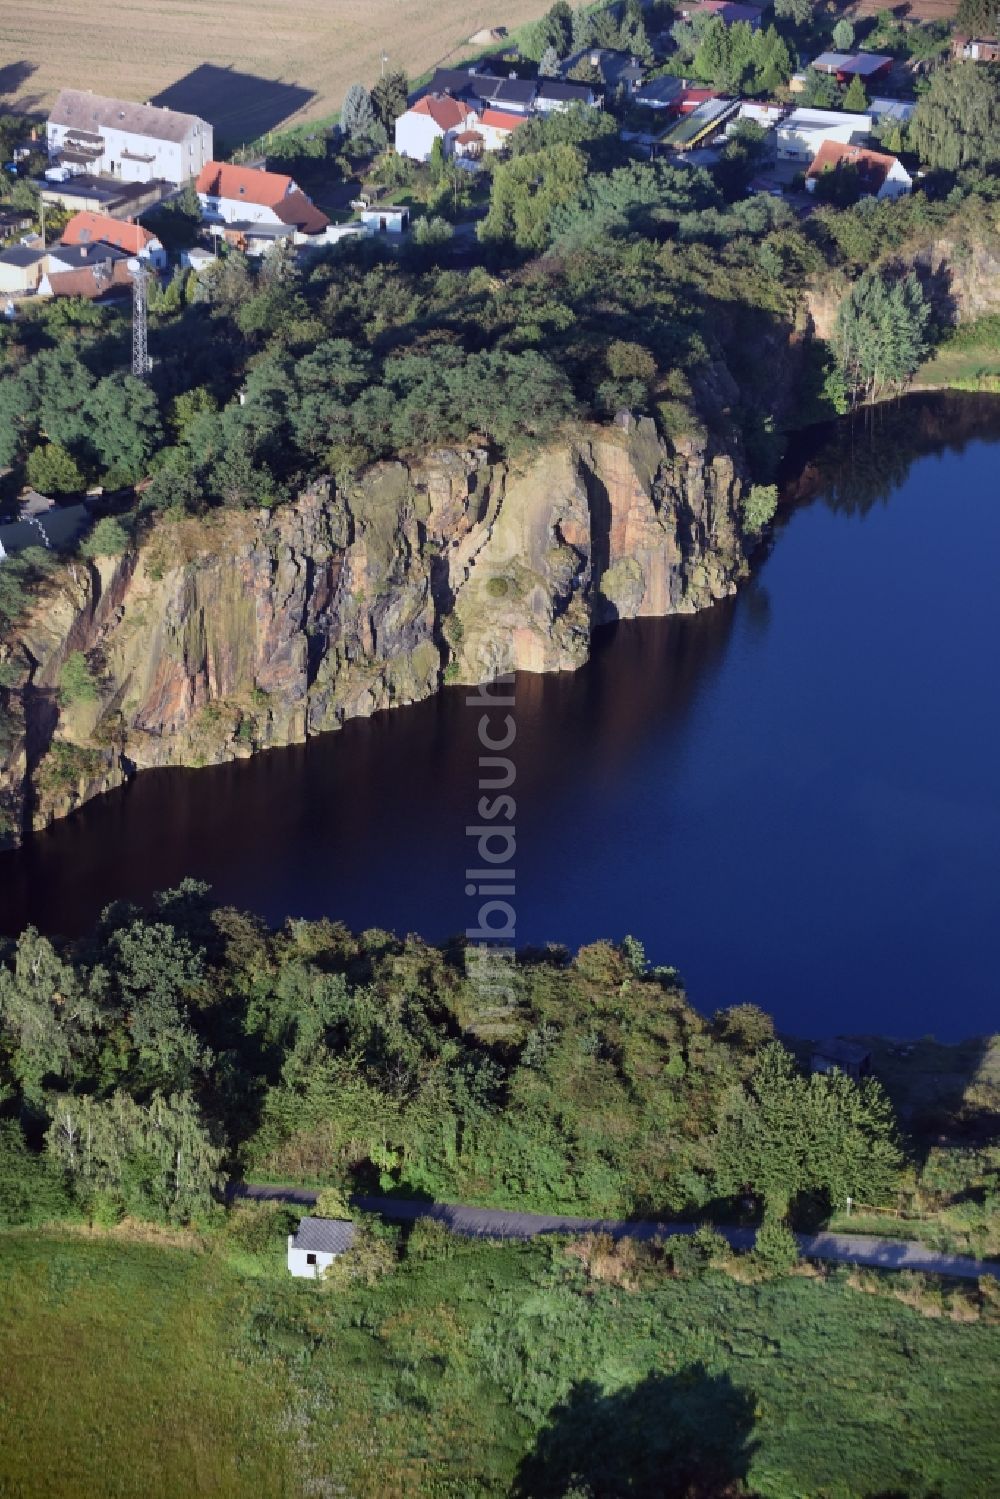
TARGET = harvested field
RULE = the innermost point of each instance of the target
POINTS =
(908, 10)
(248, 66)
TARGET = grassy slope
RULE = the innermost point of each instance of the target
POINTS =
(126, 1363)
(968, 360)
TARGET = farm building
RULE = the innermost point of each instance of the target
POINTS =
(21, 270)
(386, 218)
(975, 49)
(241, 197)
(87, 228)
(316, 1244)
(83, 192)
(134, 142)
(879, 174)
(800, 134)
(847, 65)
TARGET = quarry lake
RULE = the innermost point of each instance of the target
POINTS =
(793, 797)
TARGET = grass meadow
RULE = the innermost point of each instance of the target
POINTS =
(474, 1369)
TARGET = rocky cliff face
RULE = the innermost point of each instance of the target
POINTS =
(216, 639)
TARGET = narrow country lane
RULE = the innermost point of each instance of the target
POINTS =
(499, 1223)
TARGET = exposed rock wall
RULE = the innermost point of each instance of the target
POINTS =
(217, 639)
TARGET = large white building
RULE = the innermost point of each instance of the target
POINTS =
(800, 134)
(134, 142)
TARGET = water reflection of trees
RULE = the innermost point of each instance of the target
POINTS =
(860, 461)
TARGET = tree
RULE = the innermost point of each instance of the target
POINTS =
(548, 66)
(554, 31)
(978, 18)
(799, 12)
(357, 113)
(843, 35)
(32, 1187)
(154, 1160)
(855, 99)
(157, 972)
(52, 470)
(390, 97)
(47, 1014)
(108, 538)
(527, 191)
(957, 121)
(880, 334)
(126, 427)
(760, 505)
(783, 1134)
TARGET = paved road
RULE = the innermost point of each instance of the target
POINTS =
(496, 1223)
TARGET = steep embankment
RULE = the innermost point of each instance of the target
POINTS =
(215, 639)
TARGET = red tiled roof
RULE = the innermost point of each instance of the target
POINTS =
(296, 209)
(446, 112)
(221, 179)
(467, 137)
(873, 167)
(92, 282)
(501, 120)
(99, 228)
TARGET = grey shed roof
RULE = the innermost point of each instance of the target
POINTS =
(80, 110)
(324, 1235)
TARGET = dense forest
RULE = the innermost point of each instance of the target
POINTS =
(175, 1046)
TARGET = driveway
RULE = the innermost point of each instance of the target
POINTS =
(498, 1223)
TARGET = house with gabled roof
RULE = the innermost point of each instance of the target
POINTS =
(435, 117)
(879, 174)
(316, 1244)
(90, 133)
(236, 197)
(88, 228)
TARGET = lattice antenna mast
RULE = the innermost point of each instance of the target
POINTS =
(140, 336)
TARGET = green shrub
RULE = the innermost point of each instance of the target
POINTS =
(76, 681)
(775, 1249)
(108, 538)
(430, 1239)
(759, 507)
(52, 470)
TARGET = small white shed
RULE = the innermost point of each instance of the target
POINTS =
(316, 1244)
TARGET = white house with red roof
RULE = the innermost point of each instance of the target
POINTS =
(88, 228)
(435, 117)
(241, 198)
(878, 174)
(497, 126)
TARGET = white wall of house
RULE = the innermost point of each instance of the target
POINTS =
(897, 184)
(307, 1265)
(236, 211)
(143, 158)
(416, 134)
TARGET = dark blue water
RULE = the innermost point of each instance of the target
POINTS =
(794, 797)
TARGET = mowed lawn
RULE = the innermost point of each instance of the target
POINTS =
(247, 65)
(130, 1369)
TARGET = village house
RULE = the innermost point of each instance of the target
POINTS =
(93, 280)
(316, 1244)
(975, 49)
(800, 135)
(21, 269)
(87, 228)
(847, 65)
(254, 208)
(434, 117)
(92, 134)
(554, 94)
(385, 218)
(497, 126)
(879, 175)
